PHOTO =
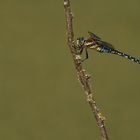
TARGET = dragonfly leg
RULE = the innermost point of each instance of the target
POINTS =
(81, 50)
(86, 55)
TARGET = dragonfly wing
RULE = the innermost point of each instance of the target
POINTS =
(106, 44)
(92, 35)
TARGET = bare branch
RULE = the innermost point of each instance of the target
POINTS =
(83, 77)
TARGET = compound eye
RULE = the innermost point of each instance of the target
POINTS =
(80, 41)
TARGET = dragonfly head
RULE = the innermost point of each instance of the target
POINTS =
(80, 42)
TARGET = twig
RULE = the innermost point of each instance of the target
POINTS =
(82, 75)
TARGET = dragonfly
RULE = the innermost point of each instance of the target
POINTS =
(96, 43)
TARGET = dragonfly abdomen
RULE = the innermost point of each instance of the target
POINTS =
(125, 56)
(104, 49)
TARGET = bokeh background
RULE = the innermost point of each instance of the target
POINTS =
(40, 97)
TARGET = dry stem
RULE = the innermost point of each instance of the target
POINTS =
(82, 75)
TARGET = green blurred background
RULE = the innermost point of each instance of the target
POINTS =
(40, 97)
